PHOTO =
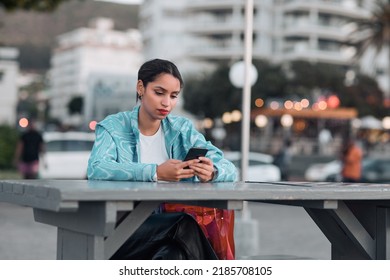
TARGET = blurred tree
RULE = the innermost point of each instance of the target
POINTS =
(75, 105)
(308, 76)
(35, 57)
(30, 96)
(8, 140)
(27, 107)
(271, 82)
(212, 94)
(373, 32)
(366, 96)
(36, 5)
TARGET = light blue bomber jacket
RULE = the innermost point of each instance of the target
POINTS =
(115, 154)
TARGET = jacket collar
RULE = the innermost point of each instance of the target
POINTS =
(168, 125)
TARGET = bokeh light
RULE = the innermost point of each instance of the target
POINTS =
(286, 120)
(333, 101)
(305, 103)
(259, 102)
(386, 122)
(261, 121)
(227, 118)
(23, 122)
(288, 104)
(236, 116)
(274, 105)
(92, 125)
(208, 123)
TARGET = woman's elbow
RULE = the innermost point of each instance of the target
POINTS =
(93, 172)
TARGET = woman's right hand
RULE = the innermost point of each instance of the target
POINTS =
(174, 170)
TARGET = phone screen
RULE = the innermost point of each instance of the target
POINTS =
(194, 153)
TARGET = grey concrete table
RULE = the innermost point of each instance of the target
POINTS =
(94, 218)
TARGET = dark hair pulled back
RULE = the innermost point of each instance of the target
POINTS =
(151, 69)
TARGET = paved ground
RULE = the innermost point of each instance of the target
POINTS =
(283, 232)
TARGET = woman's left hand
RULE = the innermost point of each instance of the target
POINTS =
(204, 170)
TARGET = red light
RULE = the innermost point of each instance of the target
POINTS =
(23, 122)
(333, 101)
(92, 125)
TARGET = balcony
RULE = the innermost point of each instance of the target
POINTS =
(327, 53)
(215, 4)
(345, 8)
(321, 31)
(214, 25)
(216, 49)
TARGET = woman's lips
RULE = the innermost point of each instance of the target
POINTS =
(163, 112)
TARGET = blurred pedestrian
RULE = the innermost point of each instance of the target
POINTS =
(351, 159)
(28, 151)
(283, 160)
(324, 139)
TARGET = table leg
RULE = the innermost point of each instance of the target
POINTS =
(347, 232)
(383, 233)
(81, 233)
(73, 245)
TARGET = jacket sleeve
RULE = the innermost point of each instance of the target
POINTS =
(226, 171)
(104, 163)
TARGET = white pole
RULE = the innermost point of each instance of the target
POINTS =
(245, 130)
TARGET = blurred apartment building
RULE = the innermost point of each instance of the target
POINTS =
(98, 64)
(9, 72)
(197, 33)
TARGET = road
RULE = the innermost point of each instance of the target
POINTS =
(283, 232)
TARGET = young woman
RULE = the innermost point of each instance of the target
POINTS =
(149, 144)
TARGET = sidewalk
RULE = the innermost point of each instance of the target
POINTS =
(284, 232)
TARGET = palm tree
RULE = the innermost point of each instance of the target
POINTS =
(373, 32)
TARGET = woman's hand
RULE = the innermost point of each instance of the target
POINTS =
(204, 169)
(174, 170)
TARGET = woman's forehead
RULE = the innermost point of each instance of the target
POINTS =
(166, 81)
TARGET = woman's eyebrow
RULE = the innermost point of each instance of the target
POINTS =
(163, 89)
(160, 87)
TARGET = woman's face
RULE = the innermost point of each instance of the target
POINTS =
(159, 97)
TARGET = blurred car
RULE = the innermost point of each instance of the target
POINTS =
(260, 167)
(318, 172)
(374, 170)
(66, 155)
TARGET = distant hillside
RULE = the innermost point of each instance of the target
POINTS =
(34, 33)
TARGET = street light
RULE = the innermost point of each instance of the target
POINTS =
(243, 75)
(386, 122)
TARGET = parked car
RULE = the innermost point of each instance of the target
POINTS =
(260, 167)
(318, 172)
(66, 155)
(374, 170)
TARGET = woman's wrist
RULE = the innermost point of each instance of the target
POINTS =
(215, 174)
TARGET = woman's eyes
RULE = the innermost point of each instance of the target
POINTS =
(173, 96)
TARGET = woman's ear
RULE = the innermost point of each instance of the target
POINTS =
(140, 87)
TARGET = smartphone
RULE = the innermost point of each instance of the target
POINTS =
(194, 153)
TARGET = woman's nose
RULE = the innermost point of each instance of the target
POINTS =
(166, 101)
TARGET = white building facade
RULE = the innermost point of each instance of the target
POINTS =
(85, 53)
(196, 33)
(9, 72)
